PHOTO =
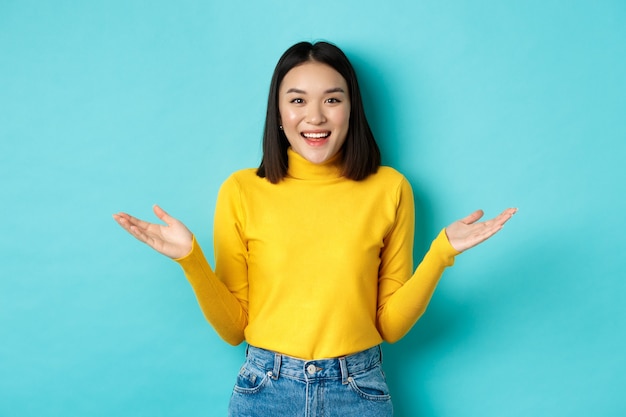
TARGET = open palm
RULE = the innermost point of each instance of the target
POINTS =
(469, 232)
(172, 239)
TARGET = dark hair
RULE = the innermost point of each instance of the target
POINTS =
(360, 153)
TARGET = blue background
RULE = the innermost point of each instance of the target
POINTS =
(109, 106)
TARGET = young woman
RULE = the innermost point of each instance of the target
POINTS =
(313, 250)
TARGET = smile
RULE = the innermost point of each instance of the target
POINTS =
(319, 135)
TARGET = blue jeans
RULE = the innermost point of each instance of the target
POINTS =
(275, 385)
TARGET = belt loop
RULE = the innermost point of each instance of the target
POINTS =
(344, 370)
(380, 353)
(277, 362)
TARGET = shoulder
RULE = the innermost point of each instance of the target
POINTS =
(388, 184)
(387, 172)
(246, 174)
(390, 178)
(244, 178)
(245, 182)
(233, 184)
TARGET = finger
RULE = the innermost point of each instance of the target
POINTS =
(123, 220)
(472, 218)
(162, 214)
(134, 221)
(505, 216)
(493, 226)
(135, 226)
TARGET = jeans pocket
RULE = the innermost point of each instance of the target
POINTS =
(370, 385)
(250, 379)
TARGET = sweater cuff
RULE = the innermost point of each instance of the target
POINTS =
(193, 256)
(442, 247)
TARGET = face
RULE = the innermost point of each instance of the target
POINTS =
(315, 110)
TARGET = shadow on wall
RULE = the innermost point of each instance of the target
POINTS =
(436, 330)
(377, 95)
(442, 322)
(433, 330)
(489, 306)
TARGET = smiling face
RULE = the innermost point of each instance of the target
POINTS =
(314, 106)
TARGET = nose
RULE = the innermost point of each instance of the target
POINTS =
(315, 114)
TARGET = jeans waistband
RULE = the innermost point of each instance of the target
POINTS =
(342, 368)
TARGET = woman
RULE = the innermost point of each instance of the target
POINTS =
(313, 250)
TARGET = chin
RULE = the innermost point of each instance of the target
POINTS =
(318, 159)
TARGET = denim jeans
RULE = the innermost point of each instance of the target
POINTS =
(275, 385)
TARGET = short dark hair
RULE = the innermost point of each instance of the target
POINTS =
(360, 153)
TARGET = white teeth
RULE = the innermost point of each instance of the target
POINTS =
(316, 135)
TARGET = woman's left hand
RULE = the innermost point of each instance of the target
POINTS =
(468, 232)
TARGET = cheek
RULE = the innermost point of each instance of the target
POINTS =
(343, 117)
(288, 117)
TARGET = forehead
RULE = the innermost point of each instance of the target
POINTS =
(312, 76)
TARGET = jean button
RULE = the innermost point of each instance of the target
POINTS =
(311, 369)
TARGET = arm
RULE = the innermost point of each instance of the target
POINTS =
(401, 302)
(220, 307)
(407, 301)
(403, 298)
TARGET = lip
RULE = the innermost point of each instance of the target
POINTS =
(316, 137)
(320, 132)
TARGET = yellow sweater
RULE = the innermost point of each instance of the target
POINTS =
(316, 266)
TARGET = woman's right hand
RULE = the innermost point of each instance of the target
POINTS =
(172, 239)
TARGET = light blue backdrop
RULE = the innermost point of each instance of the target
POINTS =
(108, 106)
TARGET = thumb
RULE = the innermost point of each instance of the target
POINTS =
(161, 214)
(473, 217)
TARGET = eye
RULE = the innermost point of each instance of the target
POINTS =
(297, 101)
(333, 100)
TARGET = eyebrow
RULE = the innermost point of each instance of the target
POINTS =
(329, 91)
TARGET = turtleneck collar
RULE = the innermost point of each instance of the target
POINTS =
(302, 169)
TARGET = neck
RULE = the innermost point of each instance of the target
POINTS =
(300, 168)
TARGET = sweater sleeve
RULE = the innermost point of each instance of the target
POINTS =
(403, 298)
(222, 300)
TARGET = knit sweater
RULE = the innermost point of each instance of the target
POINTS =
(316, 266)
